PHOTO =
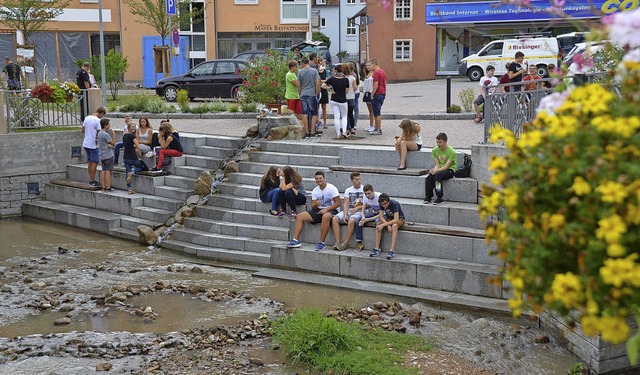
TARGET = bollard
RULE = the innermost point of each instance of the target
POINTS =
(448, 93)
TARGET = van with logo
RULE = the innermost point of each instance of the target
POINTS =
(538, 51)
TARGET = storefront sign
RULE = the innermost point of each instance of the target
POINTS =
(537, 10)
(281, 28)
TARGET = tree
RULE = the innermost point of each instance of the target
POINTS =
(321, 37)
(154, 14)
(115, 66)
(29, 16)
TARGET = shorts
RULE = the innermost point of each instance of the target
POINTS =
(107, 164)
(419, 147)
(14, 84)
(316, 217)
(479, 100)
(93, 155)
(400, 222)
(376, 104)
(324, 97)
(309, 105)
(355, 215)
(295, 105)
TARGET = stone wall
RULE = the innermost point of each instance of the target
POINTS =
(33, 157)
(481, 154)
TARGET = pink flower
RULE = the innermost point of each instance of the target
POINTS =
(623, 31)
(583, 61)
(266, 68)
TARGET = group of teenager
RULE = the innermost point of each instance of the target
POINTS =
(100, 146)
(309, 88)
(517, 71)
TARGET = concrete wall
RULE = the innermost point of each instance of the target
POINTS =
(32, 157)
(481, 154)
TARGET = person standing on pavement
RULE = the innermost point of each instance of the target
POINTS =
(309, 88)
(517, 71)
(368, 94)
(14, 74)
(379, 92)
(91, 127)
(323, 97)
(292, 91)
(83, 81)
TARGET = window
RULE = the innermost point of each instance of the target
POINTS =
(294, 11)
(243, 2)
(321, 2)
(349, 2)
(494, 49)
(323, 22)
(351, 27)
(402, 10)
(363, 1)
(402, 50)
(226, 67)
(202, 69)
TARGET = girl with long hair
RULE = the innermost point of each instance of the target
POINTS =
(410, 140)
(291, 192)
(367, 88)
(169, 143)
(269, 188)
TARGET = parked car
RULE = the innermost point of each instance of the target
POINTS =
(209, 79)
(250, 55)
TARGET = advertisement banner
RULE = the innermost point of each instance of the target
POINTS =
(537, 10)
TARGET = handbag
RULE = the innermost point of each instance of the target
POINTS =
(367, 97)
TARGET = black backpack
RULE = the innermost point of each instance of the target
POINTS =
(465, 169)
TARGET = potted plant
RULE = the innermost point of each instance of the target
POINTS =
(70, 89)
(264, 79)
(43, 92)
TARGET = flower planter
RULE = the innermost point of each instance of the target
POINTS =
(275, 106)
(69, 98)
(46, 99)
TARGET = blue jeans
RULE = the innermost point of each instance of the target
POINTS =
(351, 104)
(116, 152)
(272, 196)
(132, 165)
(367, 214)
(376, 104)
(356, 110)
(291, 198)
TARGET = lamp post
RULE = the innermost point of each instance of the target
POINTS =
(103, 80)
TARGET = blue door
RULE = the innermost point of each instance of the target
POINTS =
(179, 64)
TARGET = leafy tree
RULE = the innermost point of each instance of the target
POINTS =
(154, 14)
(115, 66)
(29, 16)
(321, 37)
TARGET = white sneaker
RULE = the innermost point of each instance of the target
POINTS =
(149, 154)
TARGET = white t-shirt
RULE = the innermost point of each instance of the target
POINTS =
(325, 196)
(489, 81)
(91, 127)
(354, 195)
(373, 204)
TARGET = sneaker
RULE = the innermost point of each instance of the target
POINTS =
(94, 183)
(293, 214)
(369, 129)
(359, 245)
(128, 179)
(281, 214)
(155, 169)
(320, 246)
(149, 154)
(336, 246)
(438, 201)
(375, 132)
(427, 201)
(478, 120)
(293, 243)
(392, 254)
(343, 246)
(374, 253)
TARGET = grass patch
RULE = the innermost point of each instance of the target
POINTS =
(218, 106)
(234, 107)
(249, 107)
(46, 129)
(201, 108)
(325, 344)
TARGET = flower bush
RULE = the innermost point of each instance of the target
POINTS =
(70, 88)
(264, 79)
(41, 90)
(569, 193)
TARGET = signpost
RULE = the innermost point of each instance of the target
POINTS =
(171, 11)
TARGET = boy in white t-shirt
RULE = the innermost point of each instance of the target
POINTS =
(351, 212)
(325, 199)
(370, 210)
(487, 80)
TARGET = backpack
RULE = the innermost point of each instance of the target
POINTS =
(465, 169)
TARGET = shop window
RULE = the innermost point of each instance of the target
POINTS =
(402, 10)
(351, 27)
(402, 50)
(294, 11)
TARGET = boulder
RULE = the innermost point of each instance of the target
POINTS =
(252, 131)
(146, 235)
(279, 132)
(105, 366)
(203, 184)
(231, 167)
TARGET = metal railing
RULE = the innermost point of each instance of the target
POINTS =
(25, 112)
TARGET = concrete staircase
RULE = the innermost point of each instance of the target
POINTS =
(444, 250)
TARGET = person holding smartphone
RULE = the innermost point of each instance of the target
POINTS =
(517, 70)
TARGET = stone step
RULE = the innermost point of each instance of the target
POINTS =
(224, 141)
(180, 181)
(410, 242)
(241, 217)
(385, 156)
(216, 240)
(379, 170)
(261, 168)
(423, 272)
(238, 229)
(139, 183)
(174, 192)
(214, 152)
(77, 216)
(156, 215)
(202, 161)
(218, 254)
(117, 201)
(243, 203)
(132, 223)
(125, 233)
(168, 204)
(254, 179)
(455, 189)
(281, 159)
(239, 190)
(300, 148)
(190, 171)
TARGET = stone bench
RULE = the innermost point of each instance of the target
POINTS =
(387, 157)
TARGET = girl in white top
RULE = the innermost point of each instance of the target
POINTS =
(351, 98)
(410, 140)
(368, 88)
(145, 134)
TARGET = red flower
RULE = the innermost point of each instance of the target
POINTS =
(266, 68)
(274, 84)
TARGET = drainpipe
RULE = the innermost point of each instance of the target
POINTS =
(215, 27)
(340, 26)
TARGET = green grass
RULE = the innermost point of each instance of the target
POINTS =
(325, 344)
(249, 107)
(47, 129)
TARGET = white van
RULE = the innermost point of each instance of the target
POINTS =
(538, 51)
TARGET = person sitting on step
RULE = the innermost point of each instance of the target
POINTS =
(325, 199)
(445, 164)
(370, 211)
(392, 218)
(351, 212)
(169, 144)
(132, 154)
(291, 192)
(119, 145)
(410, 140)
(269, 188)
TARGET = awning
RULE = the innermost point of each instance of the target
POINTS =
(361, 12)
(477, 12)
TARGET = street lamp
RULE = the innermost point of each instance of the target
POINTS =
(103, 80)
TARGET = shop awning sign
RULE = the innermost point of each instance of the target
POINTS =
(537, 10)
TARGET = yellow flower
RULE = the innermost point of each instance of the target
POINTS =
(567, 289)
(530, 139)
(611, 229)
(553, 175)
(633, 214)
(616, 271)
(612, 192)
(615, 250)
(498, 178)
(490, 205)
(556, 221)
(614, 329)
(580, 187)
(515, 304)
(624, 126)
(590, 324)
(563, 126)
(592, 307)
(497, 162)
